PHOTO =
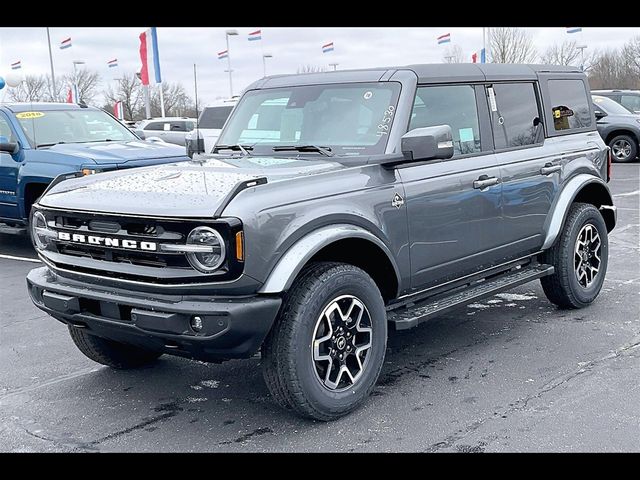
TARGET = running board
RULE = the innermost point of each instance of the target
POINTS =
(405, 318)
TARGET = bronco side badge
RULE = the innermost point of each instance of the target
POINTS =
(397, 201)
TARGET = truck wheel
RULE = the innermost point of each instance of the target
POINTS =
(110, 353)
(623, 149)
(580, 256)
(323, 356)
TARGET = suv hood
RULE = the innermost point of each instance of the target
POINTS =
(188, 189)
(119, 153)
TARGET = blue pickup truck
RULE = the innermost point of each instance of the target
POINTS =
(39, 141)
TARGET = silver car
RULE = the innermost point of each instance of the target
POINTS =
(168, 129)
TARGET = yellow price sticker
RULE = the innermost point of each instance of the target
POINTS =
(556, 113)
(22, 115)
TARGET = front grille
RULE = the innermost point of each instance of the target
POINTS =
(154, 267)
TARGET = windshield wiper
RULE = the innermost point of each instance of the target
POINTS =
(48, 144)
(304, 148)
(242, 148)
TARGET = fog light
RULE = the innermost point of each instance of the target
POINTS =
(196, 323)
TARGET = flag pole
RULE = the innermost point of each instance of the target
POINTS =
(161, 100)
(53, 75)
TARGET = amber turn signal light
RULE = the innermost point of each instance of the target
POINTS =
(240, 247)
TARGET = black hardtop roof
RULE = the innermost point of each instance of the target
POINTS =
(426, 73)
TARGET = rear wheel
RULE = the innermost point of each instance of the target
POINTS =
(111, 353)
(580, 256)
(325, 352)
(623, 148)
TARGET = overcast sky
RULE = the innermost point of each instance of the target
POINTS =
(291, 48)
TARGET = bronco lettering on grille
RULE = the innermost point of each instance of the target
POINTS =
(107, 241)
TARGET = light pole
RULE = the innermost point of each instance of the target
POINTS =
(229, 33)
(581, 48)
(264, 62)
(75, 78)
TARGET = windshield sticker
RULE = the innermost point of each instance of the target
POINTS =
(466, 134)
(268, 162)
(24, 115)
(383, 128)
(367, 95)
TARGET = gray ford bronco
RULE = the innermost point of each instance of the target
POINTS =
(333, 207)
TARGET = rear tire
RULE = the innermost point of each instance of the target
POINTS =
(579, 256)
(305, 369)
(624, 148)
(111, 353)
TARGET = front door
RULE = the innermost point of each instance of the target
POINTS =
(454, 206)
(8, 174)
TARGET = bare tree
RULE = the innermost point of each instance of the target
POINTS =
(311, 68)
(512, 45)
(128, 90)
(566, 53)
(31, 89)
(59, 95)
(88, 82)
(454, 54)
(611, 70)
(631, 55)
(176, 101)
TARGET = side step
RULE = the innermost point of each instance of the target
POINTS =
(405, 318)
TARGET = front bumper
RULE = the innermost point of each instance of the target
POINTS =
(233, 327)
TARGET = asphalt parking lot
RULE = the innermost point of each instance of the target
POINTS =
(511, 373)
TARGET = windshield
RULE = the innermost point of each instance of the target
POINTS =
(348, 119)
(214, 117)
(50, 127)
(610, 106)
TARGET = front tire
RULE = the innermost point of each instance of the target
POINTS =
(580, 257)
(324, 354)
(111, 353)
(623, 148)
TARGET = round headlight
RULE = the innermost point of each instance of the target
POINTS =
(39, 230)
(206, 261)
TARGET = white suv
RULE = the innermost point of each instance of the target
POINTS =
(169, 129)
(210, 123)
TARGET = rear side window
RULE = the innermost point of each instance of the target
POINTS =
(569, 104)
(632, 102)
(214, 117)
(453, 105)
(177, 127)
(154, 126)
(514, 115)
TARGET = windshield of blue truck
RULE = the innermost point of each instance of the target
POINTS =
(346, 119)
(51, 127)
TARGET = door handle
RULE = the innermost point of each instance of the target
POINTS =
(550, 168)
(485, 182)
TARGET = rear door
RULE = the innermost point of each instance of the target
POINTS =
(176, 133)
(530, 171)
(454, 206)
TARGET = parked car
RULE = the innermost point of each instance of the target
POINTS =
(210, 123)
(40, 141)
(168, 129)
(375, 198)
(629, 99)
(619, 128)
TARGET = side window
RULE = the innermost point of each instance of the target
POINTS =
(514, 115)
(453, 105)
(632, 102)
(189, 126)
(153, 126)
(177, 127)
(6, 135)
(569, 104)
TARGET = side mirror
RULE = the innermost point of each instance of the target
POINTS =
(599, 114)
(428, 143)
(9, 147)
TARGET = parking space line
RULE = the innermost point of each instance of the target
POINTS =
(628, 194)
(22, 259)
